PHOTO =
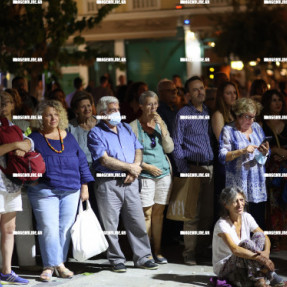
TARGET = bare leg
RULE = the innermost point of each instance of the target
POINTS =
(7, 221)
(156, 227)
(147, 215)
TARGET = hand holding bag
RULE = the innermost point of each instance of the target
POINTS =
(87, 235)
(32, 162)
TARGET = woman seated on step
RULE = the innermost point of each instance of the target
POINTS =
(241, 260)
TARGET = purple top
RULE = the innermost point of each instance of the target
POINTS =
(64, 171)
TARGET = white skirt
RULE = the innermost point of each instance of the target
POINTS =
(10, 202)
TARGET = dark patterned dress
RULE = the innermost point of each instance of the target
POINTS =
(276, 188)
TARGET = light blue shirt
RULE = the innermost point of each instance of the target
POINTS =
(121, 145)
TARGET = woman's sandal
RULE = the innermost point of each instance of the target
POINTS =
(63, 272)
(282, 284)
(261, 283)
(45, 275)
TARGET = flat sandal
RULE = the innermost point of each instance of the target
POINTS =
(46, 276)
(64, 272)
(261, 283)
(281, 284)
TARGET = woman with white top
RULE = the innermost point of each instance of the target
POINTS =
(242, 260)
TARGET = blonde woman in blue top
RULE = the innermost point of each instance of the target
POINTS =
(55, 198)
(244, 154)
(153, 134)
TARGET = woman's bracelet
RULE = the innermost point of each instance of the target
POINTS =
(234, 155)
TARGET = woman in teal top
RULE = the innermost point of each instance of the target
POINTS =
(152, 133)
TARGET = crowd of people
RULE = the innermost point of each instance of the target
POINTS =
(130, 151)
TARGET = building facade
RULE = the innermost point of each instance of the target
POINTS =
(153, 36)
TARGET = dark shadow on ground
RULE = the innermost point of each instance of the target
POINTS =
(199, 280)
(280, 266)
(82, 267)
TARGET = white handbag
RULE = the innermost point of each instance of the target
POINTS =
(87, 235)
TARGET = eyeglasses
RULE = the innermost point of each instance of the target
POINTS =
(247, 117)
(153, 142)
(152, 105)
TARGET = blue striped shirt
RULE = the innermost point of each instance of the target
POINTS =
(192, 138)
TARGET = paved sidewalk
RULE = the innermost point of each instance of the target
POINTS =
(98, 273)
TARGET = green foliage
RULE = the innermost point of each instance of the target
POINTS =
(42, 31)
(257, 32)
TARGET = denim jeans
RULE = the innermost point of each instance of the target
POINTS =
(55, 213)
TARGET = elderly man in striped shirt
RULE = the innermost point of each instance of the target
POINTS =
(194, 157)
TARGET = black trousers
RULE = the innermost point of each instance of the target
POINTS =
(257, 210)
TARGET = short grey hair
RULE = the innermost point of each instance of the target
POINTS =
(147, 94)
(227, 196)
(103, 103)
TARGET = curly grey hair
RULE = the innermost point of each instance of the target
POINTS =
(63, 118)
(246, 105)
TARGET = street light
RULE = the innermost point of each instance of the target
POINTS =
(237, 65)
